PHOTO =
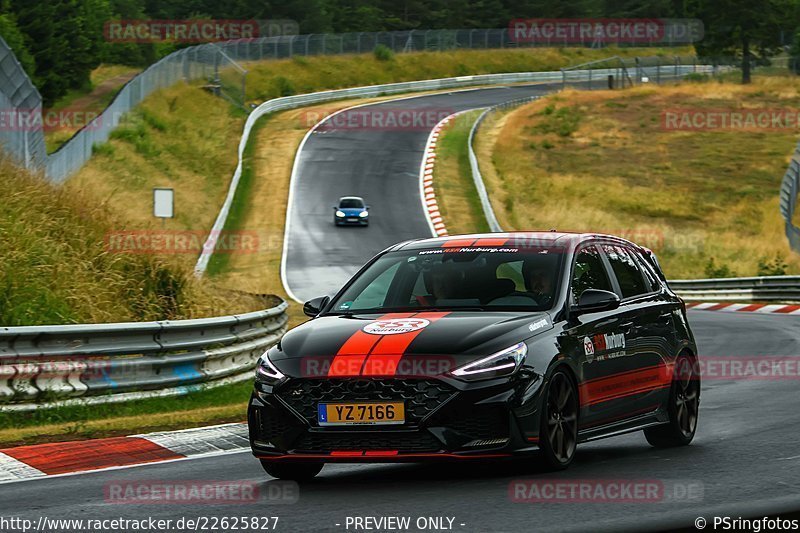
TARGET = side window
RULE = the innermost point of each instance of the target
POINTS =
(588, 273)
(651, 281)
(631, 281)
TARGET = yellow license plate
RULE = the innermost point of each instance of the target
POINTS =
(335, 414)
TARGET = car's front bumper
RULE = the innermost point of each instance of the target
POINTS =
(442, 423)
(351, 221)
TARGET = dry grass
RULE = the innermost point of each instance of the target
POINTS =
(55, 266)
(183, 138)
(602, 161)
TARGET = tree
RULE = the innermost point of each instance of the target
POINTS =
(16, 41)
(742, 28)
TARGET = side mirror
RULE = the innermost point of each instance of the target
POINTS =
(595, 301)
(366, 207)
(313, 307)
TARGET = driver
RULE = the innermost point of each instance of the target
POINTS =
(442, 282)
(539, 280)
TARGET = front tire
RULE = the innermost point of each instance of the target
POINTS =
(292, 471)
(558, 433)
(683, 408)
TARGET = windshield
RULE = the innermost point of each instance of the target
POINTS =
(486, 279)
(350, 203)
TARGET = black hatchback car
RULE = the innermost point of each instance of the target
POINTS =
(480, 346)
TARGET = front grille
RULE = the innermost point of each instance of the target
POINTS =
(421, 397)
(476, 422)
(413, 441)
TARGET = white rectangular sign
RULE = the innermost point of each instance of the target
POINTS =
(163, 203)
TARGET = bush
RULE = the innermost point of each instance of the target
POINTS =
(104, 149)
(775, 267)
(563, 121)
(713, 270)
(696, 77)
(383, 53)
(284, 86)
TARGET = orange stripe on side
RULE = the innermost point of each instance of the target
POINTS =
(625, 384)
(386, 355)
(381, 453)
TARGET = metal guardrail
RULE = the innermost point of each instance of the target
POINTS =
(108, 362)
(753, 289)
(788, 199)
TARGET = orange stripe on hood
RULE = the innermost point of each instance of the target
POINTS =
(387, 353)
(350, 357)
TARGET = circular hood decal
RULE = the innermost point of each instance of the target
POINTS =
(396, 326)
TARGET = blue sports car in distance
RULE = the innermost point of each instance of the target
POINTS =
(351, 211)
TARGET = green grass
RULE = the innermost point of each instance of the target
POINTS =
(271, 79)
(241, 204)
(458, 198)
(206, 407)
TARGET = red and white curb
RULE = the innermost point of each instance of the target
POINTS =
(427, 193)
(745, 308)
(60, 458)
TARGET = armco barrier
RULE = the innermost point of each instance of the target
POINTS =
(107, 362)
(755, 289)
(291, 102)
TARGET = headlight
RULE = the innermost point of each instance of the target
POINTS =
(502, 363)
(364, 214)
(340, 214)
(267, 372)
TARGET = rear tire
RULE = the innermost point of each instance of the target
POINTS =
(683, 408)
(558, 428)
(292, 471)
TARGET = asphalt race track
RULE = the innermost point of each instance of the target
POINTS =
(380, 165)
(745, 457)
